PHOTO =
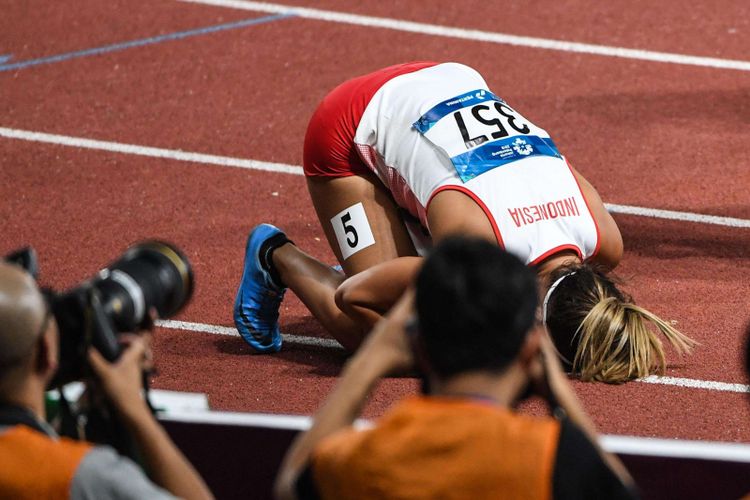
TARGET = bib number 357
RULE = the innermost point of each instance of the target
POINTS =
(490, 117)
(479, 132)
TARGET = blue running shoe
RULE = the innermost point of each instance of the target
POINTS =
(256, 308)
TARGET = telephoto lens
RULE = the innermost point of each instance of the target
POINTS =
(150, 274)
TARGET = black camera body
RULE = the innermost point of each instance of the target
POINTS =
(150, 275)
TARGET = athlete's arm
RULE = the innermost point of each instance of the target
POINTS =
(452, 212)
(367, 296)
(610, 239)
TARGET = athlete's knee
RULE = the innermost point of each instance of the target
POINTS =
(345, 296)
(355, 300)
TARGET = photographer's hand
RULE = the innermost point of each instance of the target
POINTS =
(550, 382)
(385, 351)
(121, 382)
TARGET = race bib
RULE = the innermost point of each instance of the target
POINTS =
(479, 131)
(353, 230)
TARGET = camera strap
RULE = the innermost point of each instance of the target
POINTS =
(12, 415)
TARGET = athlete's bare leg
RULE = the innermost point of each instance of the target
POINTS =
(314, 282)
(331, 196)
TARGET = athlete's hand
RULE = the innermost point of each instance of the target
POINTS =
(388, 342)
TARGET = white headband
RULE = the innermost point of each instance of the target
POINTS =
(549, 294)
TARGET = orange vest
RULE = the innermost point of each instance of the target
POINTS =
(35, 466)
(444, 448)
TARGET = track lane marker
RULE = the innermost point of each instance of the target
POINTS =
(232, 332)
(696, 384)
(481, 36)
(171, 154)
(681, 216)
(709, 385)
(227, 161)
(138, 43)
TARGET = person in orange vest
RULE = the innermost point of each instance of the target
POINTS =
(472, 329)
(34, 462)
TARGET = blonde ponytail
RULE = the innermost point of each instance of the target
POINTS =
(619, 341)
(608, 337)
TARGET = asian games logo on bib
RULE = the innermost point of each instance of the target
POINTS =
(522, 147)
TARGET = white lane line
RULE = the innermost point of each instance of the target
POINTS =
(225, 330)
(332, 344)
(696, 384)
(226, 161)
(478, 35)
(172, 154)
(681, 216)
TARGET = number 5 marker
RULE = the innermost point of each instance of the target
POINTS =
(352, 230)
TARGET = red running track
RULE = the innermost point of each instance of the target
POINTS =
(649, 134)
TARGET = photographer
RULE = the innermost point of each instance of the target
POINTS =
(476, 341)
(34, 462)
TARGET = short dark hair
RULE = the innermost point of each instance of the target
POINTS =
(475, 304)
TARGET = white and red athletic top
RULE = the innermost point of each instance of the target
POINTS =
(425, 127)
